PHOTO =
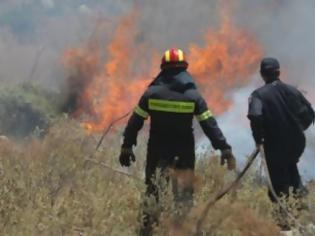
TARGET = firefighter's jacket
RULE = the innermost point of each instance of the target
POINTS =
(279, 114)
(171, 102)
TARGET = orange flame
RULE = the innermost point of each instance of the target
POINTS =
(228, 59)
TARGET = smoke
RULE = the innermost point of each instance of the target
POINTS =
(35, 33)
(48, 4)
(40, 30)
(177, 23)
(28, 27)
(284, 29)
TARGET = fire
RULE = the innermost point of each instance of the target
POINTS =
(109, 89)
(227, 61)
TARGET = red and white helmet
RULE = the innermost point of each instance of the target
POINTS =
(174, 58)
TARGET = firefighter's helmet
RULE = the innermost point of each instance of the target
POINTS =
(174, 58)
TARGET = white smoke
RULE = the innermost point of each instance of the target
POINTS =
(284, 27)
(49, 4)
(35, 33)
(84, 9)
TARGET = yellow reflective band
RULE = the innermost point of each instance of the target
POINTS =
(139, 111)
(180, 55)
(168, 56)
(171, 106)
(204, 116)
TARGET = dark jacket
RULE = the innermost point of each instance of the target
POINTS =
(279, 114)
(172, 101)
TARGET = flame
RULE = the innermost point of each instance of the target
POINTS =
(227, 61)
(109, 89)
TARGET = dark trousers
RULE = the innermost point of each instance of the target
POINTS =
(282, 157)
(283, 177)
(164, 161)
(284, 174)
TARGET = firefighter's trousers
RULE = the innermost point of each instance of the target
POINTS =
(165, 162)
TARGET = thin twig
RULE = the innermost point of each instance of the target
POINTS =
(38, 55)
(106, 130)
(99, 163)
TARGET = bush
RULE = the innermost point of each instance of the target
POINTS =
(26, 108)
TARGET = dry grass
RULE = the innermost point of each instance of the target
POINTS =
(47, 188)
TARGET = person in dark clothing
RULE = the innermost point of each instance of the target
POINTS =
(172, 100)
(279, 114)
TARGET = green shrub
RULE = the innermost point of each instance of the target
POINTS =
(25, 108)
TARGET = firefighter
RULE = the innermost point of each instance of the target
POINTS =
(279, 114)
(171, 101)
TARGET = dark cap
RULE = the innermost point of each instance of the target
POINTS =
(269, 64)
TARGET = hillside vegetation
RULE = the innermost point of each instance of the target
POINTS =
(48, 188)
(27, 109)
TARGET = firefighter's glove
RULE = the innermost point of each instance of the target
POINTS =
(227, 156)
(126, 156)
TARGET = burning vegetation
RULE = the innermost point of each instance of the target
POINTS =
(107, 82)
